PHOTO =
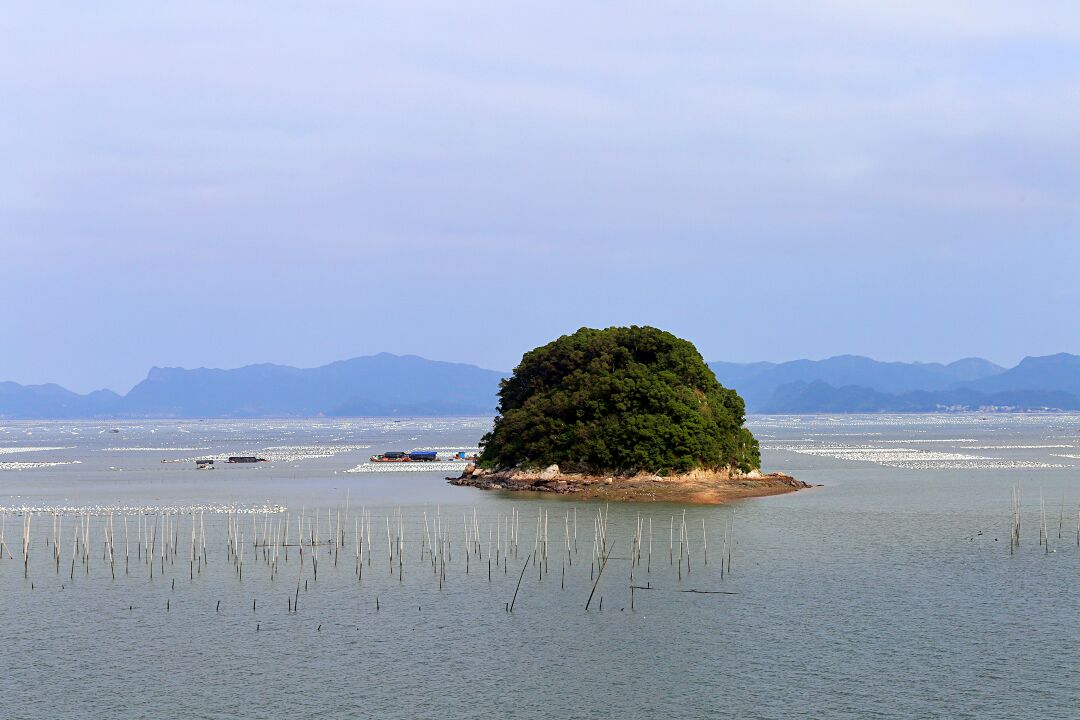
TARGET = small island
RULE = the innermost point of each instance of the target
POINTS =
(625, 413)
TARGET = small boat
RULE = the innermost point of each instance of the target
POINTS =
(391, 457)
(398, 456)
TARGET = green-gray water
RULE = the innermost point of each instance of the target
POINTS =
(889, 592)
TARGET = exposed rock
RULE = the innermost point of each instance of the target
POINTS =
(697, 486)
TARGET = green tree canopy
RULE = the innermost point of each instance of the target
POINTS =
(620, 400)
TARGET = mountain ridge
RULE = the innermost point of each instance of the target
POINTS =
(757, 382)
(1036, 383)
(386, 384)
(819, 397)
(382, 384)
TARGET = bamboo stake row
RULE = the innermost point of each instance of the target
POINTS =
(155, 541)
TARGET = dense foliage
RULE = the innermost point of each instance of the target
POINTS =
(619, 400)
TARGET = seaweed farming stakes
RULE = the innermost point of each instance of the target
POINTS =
(390, 558)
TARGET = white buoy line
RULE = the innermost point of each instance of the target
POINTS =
(221, 508)
(32, 465)
(416, 467)
(26, 449)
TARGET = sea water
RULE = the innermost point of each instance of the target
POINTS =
(889, 591)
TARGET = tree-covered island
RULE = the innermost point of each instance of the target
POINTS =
(628, 412)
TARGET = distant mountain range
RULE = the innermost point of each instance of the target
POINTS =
(376, 385)
(849, 383)
(407, 385)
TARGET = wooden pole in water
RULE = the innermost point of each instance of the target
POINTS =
(731, 540)
(648, 566)
(686, 539)
(389, 547)
(523, 566)
(671, 542)
(599, 573)
(56, 543)
(682, 545)
(566, 525)
(75, 549)
(112, 547)
(1046, 529)
(26, 544)
(1040, 519)
(547, 515)
(1042, 523)
(86, 545)
(300, 574)
(1012, 527)
(704, 541)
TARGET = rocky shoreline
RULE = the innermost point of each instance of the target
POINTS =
(698, 486)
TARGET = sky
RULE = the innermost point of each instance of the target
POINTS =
(224, 183)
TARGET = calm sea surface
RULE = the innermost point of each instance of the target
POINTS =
(889, 592)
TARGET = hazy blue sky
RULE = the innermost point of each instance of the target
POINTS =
(224, 183)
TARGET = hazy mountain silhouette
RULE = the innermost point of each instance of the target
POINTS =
(402, 385)
(381, 384)
(820, 397)
(1049, 372)
(54, 402)
(757, 382)
(849, 383)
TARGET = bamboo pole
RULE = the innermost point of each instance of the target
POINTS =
(523, 567)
